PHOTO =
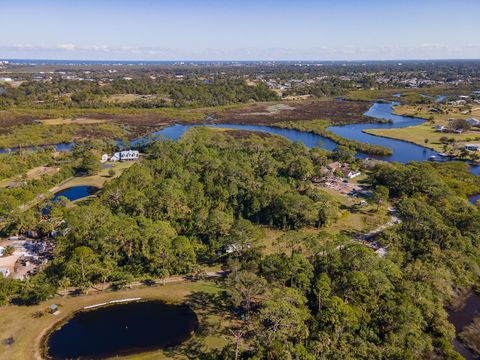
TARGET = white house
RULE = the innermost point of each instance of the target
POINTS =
(473, 122)
(440, 128)
(352, 174)
(472, 147)
(125, 155)
(4, 271)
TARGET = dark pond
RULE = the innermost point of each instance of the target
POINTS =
(75, 192)
(462, 318)
(122, 329)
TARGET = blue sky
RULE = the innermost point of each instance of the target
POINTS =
(240, 30)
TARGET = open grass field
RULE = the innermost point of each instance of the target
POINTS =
(32, 174)
(70, 121)
(408, 95)
(418, 134)
(28, 330)
(97, 180)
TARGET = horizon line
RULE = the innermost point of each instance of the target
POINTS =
(240, 61)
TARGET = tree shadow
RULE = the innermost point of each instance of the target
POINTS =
(206, 305)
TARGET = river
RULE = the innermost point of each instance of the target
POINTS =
(403, 152)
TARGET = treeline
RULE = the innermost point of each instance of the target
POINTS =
(19, 162)
(320, 127)
(156, 93)
(329, 298)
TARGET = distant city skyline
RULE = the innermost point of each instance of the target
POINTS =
(241, 30)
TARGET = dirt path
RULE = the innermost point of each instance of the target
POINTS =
(98, 288)
(368, 238)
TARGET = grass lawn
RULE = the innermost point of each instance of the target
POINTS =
(70, 121)
(97, 180)
(418, 134)
(34, 173)
(28, 331)
(359, 221)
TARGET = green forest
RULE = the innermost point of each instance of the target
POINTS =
(208, 199)
(152, 93)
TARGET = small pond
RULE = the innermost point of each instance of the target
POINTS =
(122, 329)
(75, 192)
(72, 193)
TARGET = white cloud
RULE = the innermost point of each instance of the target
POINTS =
(68, 47)
(108, 52)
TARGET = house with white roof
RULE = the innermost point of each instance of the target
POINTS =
(4, 271)
(473, 122)
(472, 147)
(125, 155)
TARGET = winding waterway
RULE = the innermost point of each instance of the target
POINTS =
(403, 151)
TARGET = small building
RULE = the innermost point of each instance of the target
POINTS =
(52, 309)
(104, 158)
(125, 155)
(440, 128)
(4, 271)
(473, 122)
(472, 147)
(350, 174)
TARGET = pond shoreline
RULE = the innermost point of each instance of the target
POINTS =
(44, 347)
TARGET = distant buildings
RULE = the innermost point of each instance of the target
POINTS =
(473, 122)
(343, 169)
